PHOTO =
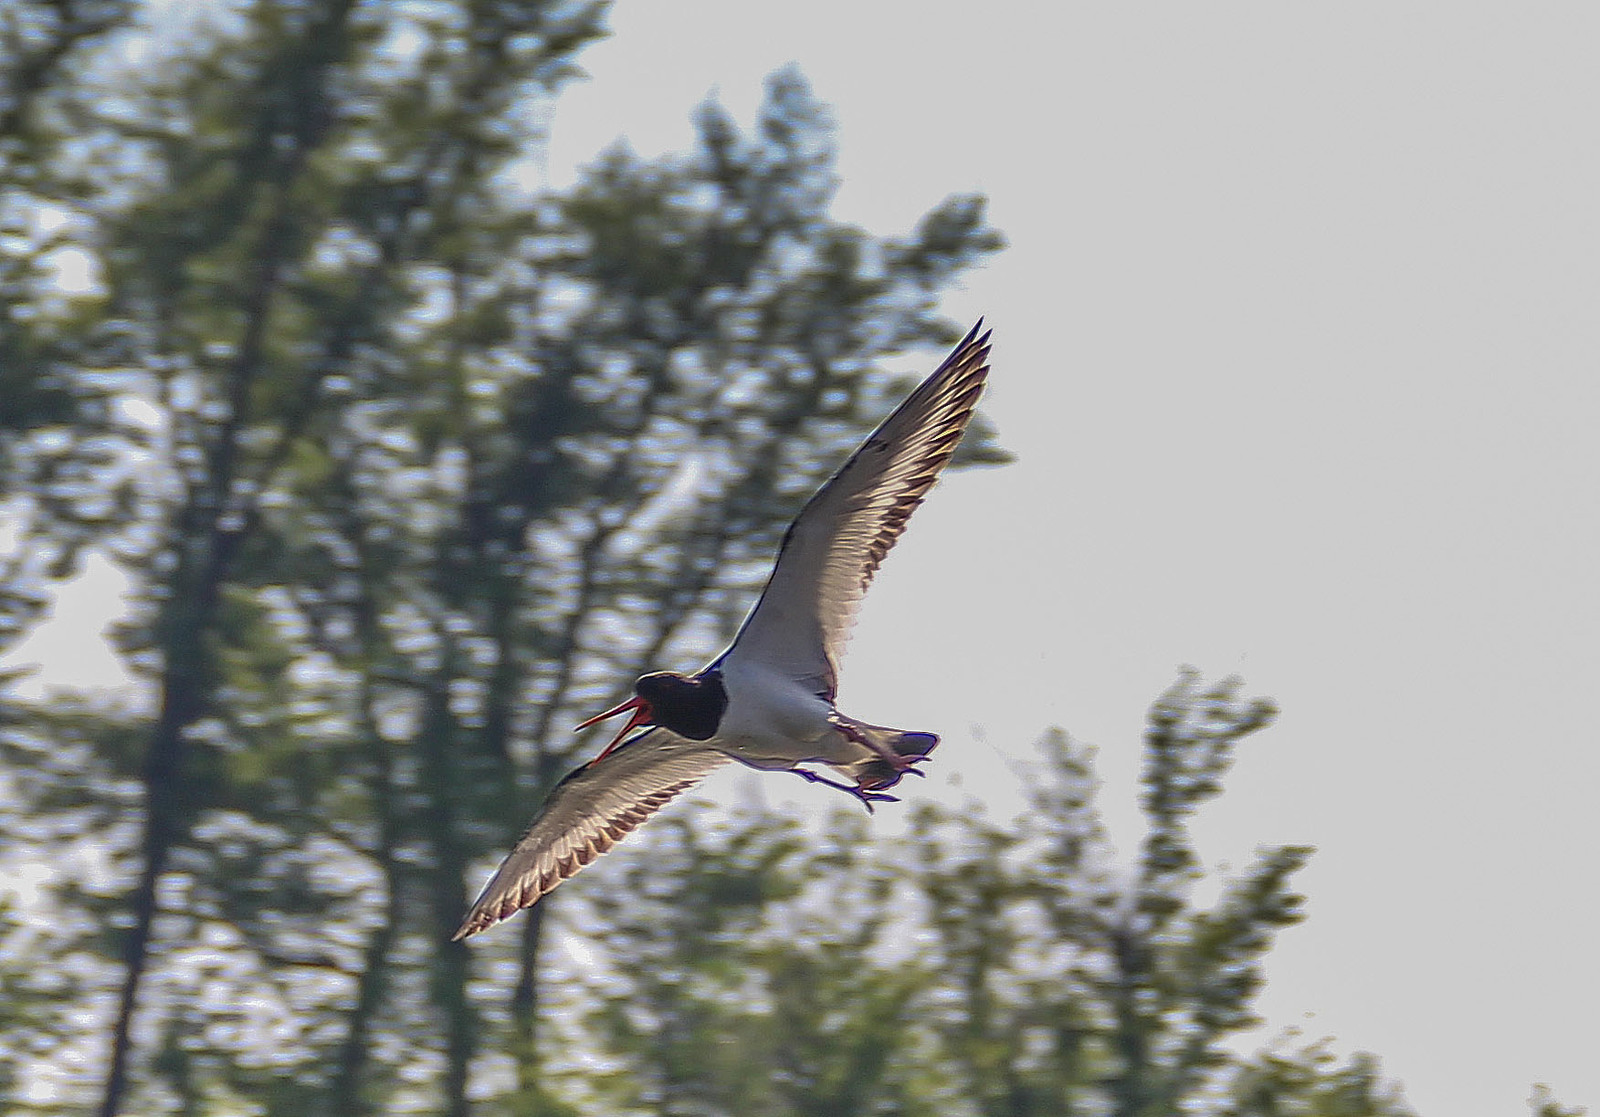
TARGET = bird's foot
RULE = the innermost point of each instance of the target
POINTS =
(911, 768)
(880, 775)
(865, 794)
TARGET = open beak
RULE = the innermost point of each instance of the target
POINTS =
(642, 713)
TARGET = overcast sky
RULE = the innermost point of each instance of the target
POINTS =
(1297, 343)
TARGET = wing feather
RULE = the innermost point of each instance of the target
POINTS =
(833, 549)
(590, 811)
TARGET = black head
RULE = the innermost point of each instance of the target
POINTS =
(690, 705)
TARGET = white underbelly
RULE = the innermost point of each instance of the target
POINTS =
(771, 721)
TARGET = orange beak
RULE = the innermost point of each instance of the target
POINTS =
(642, 713)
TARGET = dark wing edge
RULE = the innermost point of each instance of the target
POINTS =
(950, 396)
(850, 524)
(590, 811)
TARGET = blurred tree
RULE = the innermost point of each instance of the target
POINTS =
(967, 969)
(407, 463)
(1544, 1105)
(740, 966)
(43, 336)
(1310, 1081)
(410, 465)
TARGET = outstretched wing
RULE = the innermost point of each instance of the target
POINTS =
(803, 619)
(590, 811)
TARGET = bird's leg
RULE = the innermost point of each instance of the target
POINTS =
(899, 763)
(867, 797)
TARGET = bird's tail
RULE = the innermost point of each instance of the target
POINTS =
(890, 749)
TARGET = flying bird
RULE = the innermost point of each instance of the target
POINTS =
(768, 700)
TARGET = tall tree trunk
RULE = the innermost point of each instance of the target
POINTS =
(343, 1098)
(208, 550)
(209, 531)
(451, 965)
(162, 827)
(525, 1014)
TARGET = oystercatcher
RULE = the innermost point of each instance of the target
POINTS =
(767, 701)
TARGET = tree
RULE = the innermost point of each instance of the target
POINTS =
(389, 451)
(410, 465)
(42, 333)
(971, 968)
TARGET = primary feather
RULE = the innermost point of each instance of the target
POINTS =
(590, 811)
(832, 550)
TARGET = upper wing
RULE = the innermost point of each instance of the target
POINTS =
(590, 811)
(833, 549)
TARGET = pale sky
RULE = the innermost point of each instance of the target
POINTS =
(1297, 344)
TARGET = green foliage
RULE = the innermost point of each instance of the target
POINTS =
(968, 968)
(409, 468)
(1310, 1082)
(393, 453)
(1546, 1106)
(47, 305)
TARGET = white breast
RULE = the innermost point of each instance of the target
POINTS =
(772, 718)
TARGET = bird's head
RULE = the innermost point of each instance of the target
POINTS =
(690, 706)
(661, 688)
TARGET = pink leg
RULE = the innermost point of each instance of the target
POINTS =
(901, 764)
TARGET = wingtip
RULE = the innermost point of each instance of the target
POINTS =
(975, 346)
(478, 921)
(483, 916)
(973, 335)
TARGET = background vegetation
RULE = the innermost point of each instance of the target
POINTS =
(409, 463)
